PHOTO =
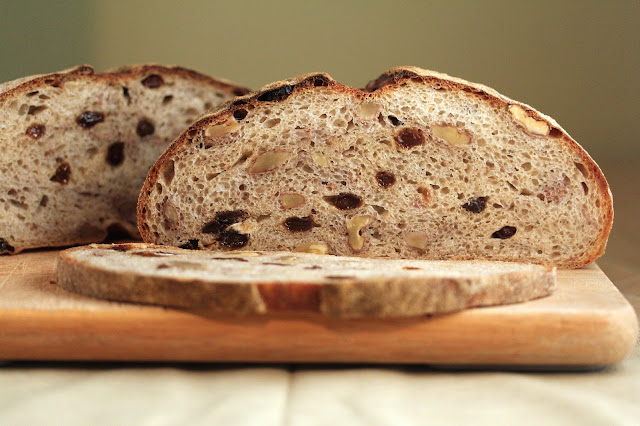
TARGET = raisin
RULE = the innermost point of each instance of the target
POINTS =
(385, 179)
(5, 246)
(152, 81)
(88, 119)
(63, 174)
(223, 220)
(475, 205)
(36, 131)
(278, 94)
(345, 201)
(299, 224)
(408, 138)
(504, 232)
(233, 239)
(145, 128)
(115, 154)
(190, 245)
(395, 121)
(240, 114)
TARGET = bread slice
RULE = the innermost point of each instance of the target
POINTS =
(418, 165)
(263, 282)
(75, 147)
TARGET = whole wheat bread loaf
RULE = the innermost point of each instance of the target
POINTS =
(264, 282)
(75, 147)
(418, 165)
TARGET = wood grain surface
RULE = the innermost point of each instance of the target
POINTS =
(586, 322)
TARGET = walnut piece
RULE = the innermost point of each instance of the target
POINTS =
(450, 134)
(222, 129)
(354, 228)
(269, 161)
(537, 127)
(416, 240)
(320, 160)
(291, 200)
(368, 110)
(316, 247)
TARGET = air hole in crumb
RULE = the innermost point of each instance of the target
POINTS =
(36, 109)
(540, 196)
(44, 201)
(245, 156)
(585, 188)
(168, 172)
(380, 210)
(167, 99)
(242, 187)
(271, 123)
(125, 93)
(582, 169)
(395, 121)
(262, 217)
(240, 114)
(555, 132)
(526, 167)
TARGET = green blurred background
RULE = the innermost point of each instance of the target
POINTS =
(577, 61)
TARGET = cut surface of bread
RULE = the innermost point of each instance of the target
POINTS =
(418, 165)
(75, 147)
(261, 282)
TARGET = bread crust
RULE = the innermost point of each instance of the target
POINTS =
(389, 81)
(27, 84)
(342, 297)
(18, 91)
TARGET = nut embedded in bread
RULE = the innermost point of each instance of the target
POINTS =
(243, 282)
(75, 147)
(418, 165)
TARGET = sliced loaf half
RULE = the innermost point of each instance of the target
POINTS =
(264, 282)
(75, 147)
(418, 165)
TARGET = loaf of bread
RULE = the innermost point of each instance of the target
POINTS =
(418, 165)
(75, 147)
(264, 282)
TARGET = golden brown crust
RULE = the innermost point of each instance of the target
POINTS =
(386, 82)
(343, 297)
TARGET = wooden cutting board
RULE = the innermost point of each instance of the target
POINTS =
(586, 322)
